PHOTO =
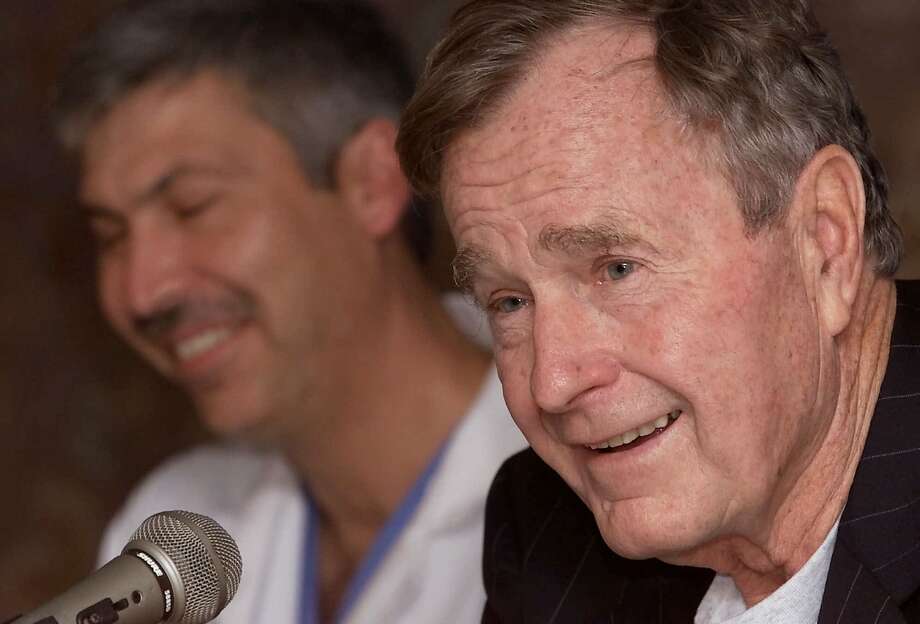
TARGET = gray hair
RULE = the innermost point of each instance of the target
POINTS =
(314, 70)
(760, 74)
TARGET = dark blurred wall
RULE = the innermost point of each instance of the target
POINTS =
(81, 419)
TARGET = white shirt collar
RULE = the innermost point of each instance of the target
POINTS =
(797, 601)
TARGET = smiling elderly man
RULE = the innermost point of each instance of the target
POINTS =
(672, 214)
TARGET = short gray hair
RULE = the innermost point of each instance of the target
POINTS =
(315, 70)
(760, 73)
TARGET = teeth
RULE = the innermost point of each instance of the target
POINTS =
(631, 436)
(197, 345)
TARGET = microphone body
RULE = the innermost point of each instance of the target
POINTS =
(179, 568)
(125, 590)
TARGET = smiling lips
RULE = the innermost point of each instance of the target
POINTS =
(200, 343)
(195, 364)
(634, 437)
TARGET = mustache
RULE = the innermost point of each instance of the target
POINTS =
(168, 317)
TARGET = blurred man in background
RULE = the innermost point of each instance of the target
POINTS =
(673, 215)
(256, 245)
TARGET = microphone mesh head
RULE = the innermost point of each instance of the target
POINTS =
(178, 534)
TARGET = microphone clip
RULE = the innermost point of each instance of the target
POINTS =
(103, 612)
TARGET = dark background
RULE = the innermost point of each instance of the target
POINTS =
(81, 419)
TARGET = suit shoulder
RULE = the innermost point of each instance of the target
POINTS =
(909, 292)
(525, 482)
(526, 472)
(907, 320)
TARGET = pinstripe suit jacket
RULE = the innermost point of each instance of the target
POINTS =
(545, 562)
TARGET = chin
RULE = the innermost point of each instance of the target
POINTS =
(628, 547)
(229, 418)
(643, 533)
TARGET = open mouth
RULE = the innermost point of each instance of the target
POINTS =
(634, 437)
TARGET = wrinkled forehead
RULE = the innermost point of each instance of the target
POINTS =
(590, 93)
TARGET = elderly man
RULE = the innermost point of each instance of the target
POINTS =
(672, 215)
(239, 174)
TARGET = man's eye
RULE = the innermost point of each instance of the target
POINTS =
(106, 234)
(189, 209)
(619, 270)
(507, 305)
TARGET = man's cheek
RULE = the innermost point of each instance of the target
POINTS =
(514, 364)
(514, 375)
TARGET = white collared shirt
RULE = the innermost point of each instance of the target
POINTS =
(797, 601)
(431, 573)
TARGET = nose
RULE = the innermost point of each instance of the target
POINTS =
(573, 353)
(152, 273)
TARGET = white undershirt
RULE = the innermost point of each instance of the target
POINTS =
(797, 601)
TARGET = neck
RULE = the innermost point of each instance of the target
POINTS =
(801, 521)
(400, 387)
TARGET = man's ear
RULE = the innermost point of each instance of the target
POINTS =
(369, 179)
(831, 207)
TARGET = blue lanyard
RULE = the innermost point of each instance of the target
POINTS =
(309, 603)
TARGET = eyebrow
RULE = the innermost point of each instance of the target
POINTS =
(602, 236)
(465, 266)
(591, 237)
(157, 188)
(162, 184)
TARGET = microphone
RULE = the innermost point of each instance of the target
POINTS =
(179, 568)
